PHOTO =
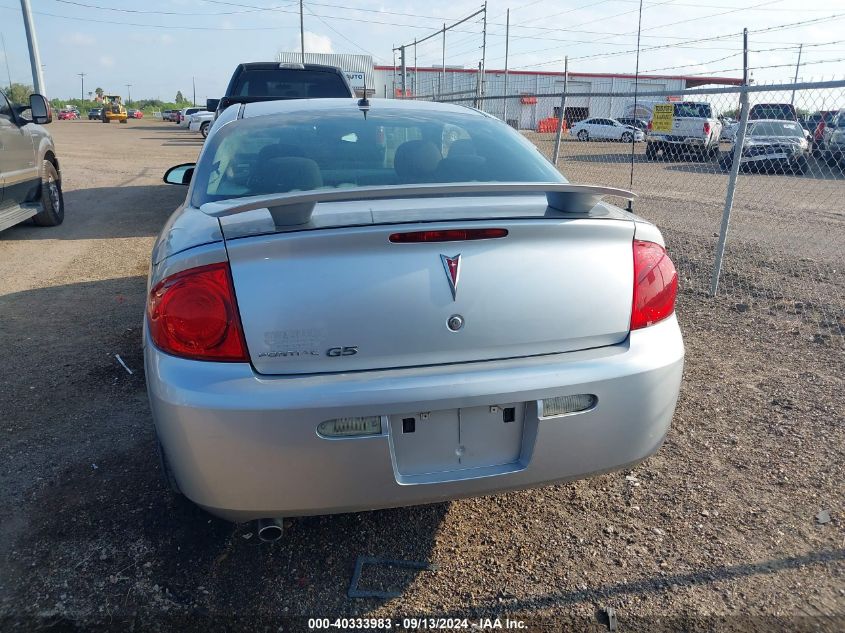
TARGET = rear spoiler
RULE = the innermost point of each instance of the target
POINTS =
(294, 208)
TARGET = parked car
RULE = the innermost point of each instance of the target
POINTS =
(728, 130)
(67, 115)
(30, 178)
(772, 145)
(167, 115)
(201, 122)
(780, 111)
(640, 124)
(268, 81)
(132, 113)
(95, 114)
(834, 141)
(695, 132)
(822, 120)
(339, 319)
(601, 129)
(184, 114)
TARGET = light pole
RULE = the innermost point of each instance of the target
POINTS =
(129, 94)
(82, 79)
(32, 41)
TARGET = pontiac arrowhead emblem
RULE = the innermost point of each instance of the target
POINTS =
(452, 265)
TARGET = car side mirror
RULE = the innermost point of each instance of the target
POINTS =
(41, 112)
(180, 174)
(211, 104)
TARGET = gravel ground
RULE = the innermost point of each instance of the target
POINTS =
(735, 524)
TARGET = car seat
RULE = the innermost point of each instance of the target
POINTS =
(285, 173)
(416, 161)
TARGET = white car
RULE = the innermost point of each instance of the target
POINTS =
(185, 115)
(201, 122)
(601, 129)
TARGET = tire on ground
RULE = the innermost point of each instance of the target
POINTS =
(52, 206)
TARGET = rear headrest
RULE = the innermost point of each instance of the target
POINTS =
(289, 173)
(416, 161)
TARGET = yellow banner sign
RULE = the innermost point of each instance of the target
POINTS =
(662, 119)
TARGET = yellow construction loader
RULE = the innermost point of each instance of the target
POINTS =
(113, 109)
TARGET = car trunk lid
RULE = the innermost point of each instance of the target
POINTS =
(346, 298)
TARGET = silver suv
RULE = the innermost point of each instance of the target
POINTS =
(30, 180)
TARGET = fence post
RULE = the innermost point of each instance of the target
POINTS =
(729, 197)
(562, 117)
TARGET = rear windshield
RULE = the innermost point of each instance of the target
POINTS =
(327, 149)
(290, 83)
(697, 110)
(782, 111)
(773, 128)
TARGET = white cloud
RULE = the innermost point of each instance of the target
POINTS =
(106, 61)
(75, 38)
(315, 43)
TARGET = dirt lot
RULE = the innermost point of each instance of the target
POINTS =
(720, 530)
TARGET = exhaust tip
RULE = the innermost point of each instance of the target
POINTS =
(269, 530)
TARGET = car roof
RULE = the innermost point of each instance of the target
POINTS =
(755, 121)
(265, 108)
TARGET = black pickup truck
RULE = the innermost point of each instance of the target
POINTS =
(270, 81)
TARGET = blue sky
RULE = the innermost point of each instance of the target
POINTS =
(159, 46)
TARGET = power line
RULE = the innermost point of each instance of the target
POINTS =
(779, 27)
(329, 26)
(177, 13)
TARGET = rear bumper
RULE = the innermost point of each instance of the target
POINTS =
(245, 446)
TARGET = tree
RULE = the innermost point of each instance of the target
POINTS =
(179, 97)
(99, 92)
(19, 93)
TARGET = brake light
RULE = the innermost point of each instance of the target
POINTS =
(448, 235)
(650, 126)
(193, 314)
(707, 128)
(655, 285)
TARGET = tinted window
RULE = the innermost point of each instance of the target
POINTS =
(772, 128)
(696, 110)
(307, 150)
(782, 111)
(290, 83)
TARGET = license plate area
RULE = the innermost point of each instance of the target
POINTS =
(455, 441)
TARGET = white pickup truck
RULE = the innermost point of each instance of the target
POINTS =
(695, 131)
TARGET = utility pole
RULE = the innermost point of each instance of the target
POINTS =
(6, 57)
(394, 73)
(82, 78)
(507, 42)
(194, 84)
(404, 70)
(797, 67)
(128, 94)
(302, 30)
(483, 58)
(32, 42)
(416, 71)
(744, 57)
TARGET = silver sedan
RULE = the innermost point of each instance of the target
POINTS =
(365, 305)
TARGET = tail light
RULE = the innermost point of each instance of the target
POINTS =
(650, 126)
(193, 314)
(706, 128)
(655, 285)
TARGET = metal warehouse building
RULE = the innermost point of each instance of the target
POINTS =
(526, 109)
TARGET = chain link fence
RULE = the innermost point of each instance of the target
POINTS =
(779, 178)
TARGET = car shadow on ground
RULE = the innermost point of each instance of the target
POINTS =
(107, 212)
(94, 527)
(816, 170)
